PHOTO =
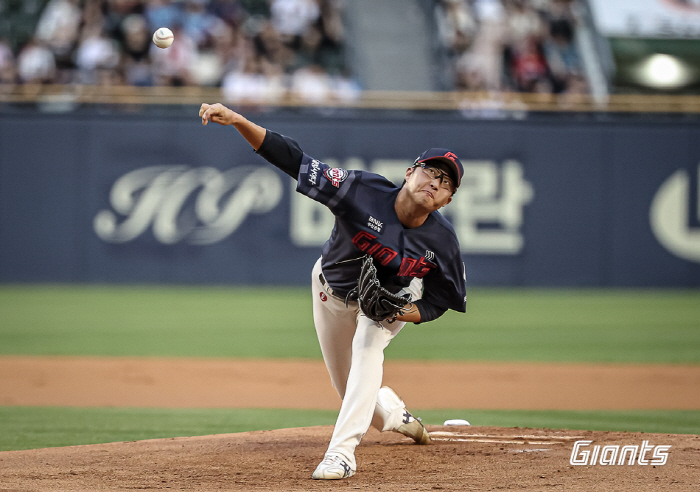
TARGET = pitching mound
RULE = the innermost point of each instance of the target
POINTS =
(460, 458)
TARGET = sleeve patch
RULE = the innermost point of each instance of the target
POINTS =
(336, 176)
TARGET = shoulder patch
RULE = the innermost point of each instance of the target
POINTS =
(336, 175)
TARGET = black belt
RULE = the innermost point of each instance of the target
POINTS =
(328, 288)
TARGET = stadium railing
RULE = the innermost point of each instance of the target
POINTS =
(408, 100)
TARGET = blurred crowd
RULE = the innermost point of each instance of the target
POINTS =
(510, 45)
(263, 49)
(252, 49)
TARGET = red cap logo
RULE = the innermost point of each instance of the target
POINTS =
(451, 157)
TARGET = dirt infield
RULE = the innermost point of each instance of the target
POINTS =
(224, 383)
(461, 458)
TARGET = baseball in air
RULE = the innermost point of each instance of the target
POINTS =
(163, 37)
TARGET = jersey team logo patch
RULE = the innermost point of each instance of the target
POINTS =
(335, 176)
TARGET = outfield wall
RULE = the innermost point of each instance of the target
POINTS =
(143, 198)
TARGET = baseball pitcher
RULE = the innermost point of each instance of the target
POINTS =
(391, 259)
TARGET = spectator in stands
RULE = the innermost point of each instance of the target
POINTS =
(96, 57)
(522, 22)
(135, 63)
(311, 84)
(490, 45)
(271, 48)
(291, 19)
(162, 13)
(481, 67)
(232, 13)
(59, 29)
(331, 51)
(113, 13)
(346, 89)
(198, 23)
(247, 46)
(517, 45)
(527, 66)
(255, 85)
(559, 48)
(456, 26)
(36, 63)
(229, 47)
(247, 86)
(308, 52)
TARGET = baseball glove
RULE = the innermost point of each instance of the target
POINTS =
(377, 303)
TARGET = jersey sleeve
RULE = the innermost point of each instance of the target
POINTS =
(326, 185)
(428, 311)
(282, 152)
(446, 287)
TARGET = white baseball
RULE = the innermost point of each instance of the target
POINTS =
(163, 37)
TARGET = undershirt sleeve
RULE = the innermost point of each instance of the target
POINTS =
(428, 311)
(282, 152)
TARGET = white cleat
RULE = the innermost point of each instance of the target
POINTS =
(409, 426)
(413, 428)
(333, 467)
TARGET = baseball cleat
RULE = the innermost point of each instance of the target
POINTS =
(333, 467)
(413, 428)
(410, 426)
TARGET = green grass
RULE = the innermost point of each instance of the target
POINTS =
(593, 325)
(587, 325)
(40, 427)
(156, 321)
(657, 421)
(646, 326)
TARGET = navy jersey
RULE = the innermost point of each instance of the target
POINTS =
(366, 223)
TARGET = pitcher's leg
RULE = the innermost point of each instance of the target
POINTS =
(335, 328)
(364, 381)
(390, 413)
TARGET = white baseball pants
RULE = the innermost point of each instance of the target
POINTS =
(353, 350)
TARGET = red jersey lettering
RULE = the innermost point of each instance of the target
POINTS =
(415, 268)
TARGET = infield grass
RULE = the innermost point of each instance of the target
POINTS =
(40, 427)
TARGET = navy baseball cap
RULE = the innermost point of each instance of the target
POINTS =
(446, 156)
